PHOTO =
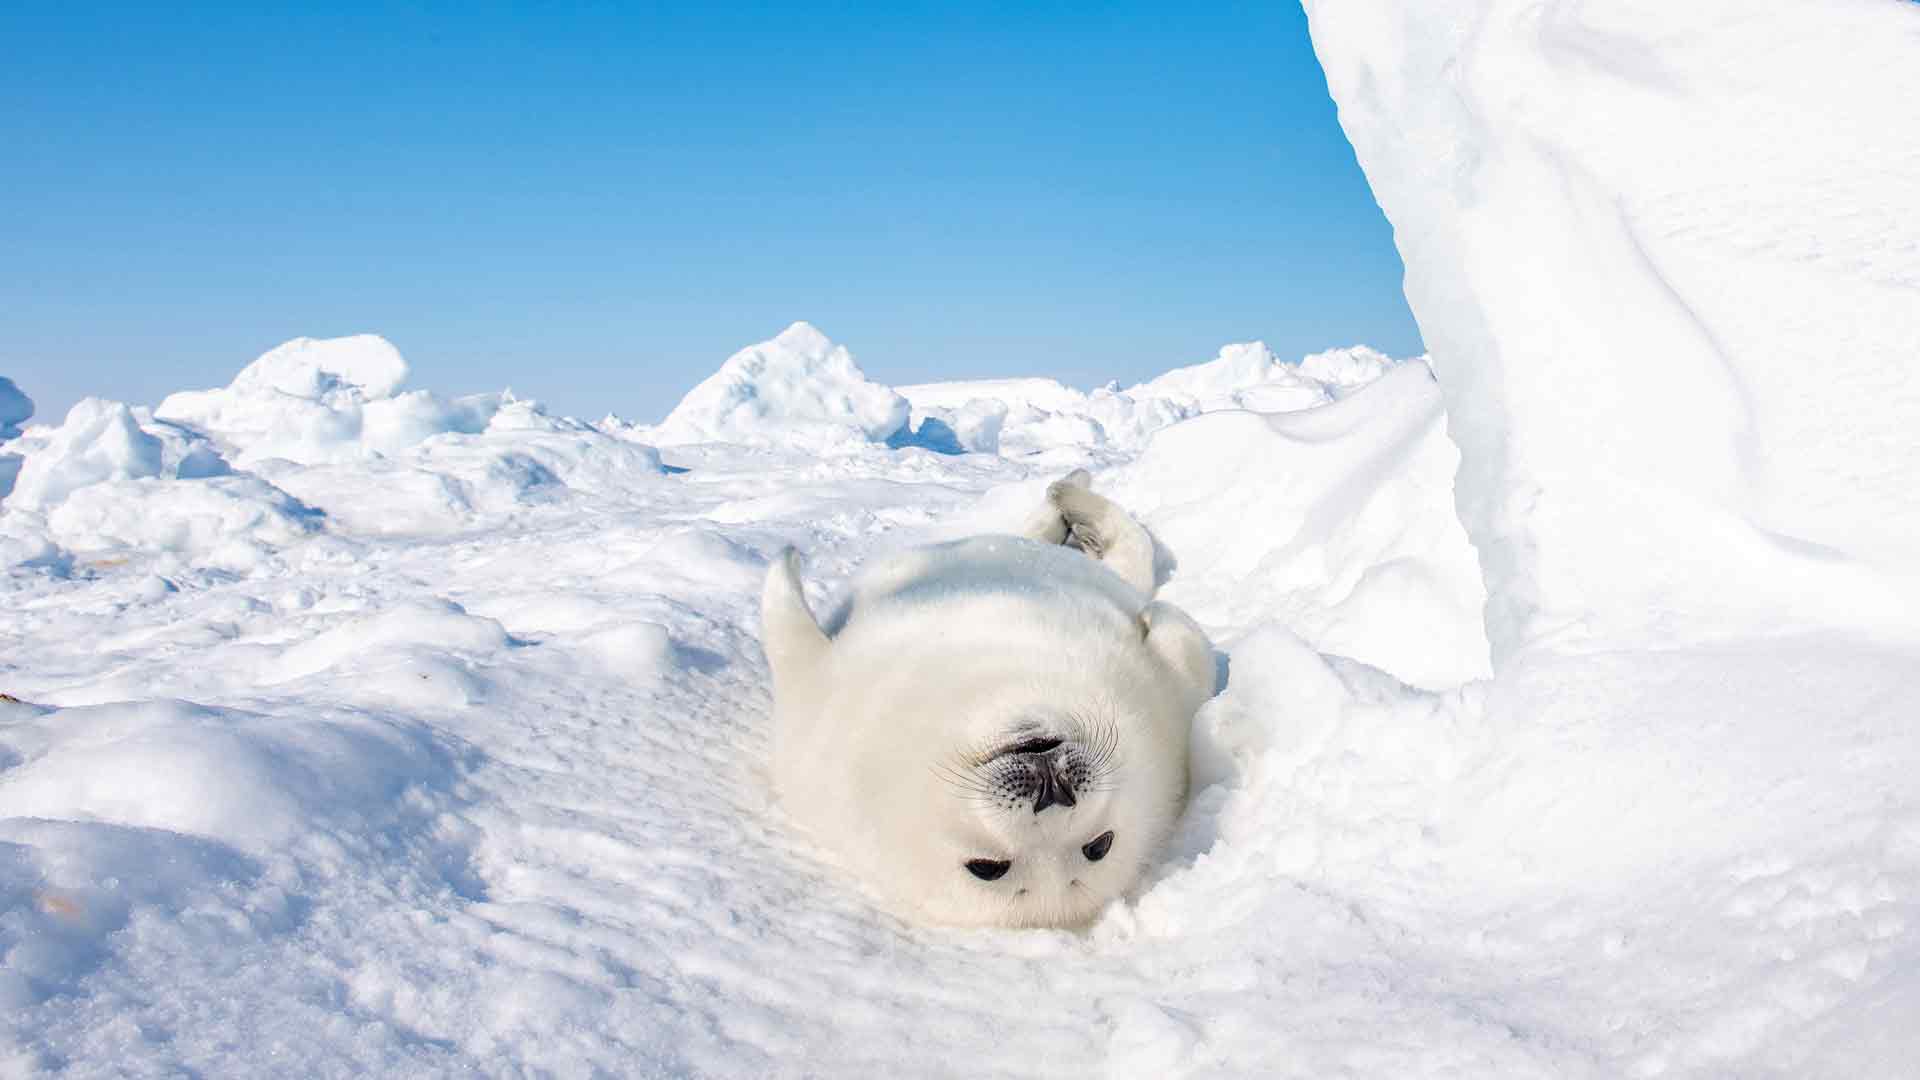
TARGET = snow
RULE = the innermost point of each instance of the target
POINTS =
(1345, 527)
(1567, 727)
(1038, 417)
(1666, 258)
(314, 401)
(798, 387)
(100, 440)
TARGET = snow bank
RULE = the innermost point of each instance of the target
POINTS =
(1667, 260)
(1341, 524)
(798, 388)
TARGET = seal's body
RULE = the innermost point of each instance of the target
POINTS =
(991, 732)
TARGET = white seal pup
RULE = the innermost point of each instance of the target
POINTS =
(993, 731)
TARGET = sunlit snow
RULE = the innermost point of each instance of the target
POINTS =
(1572, 672)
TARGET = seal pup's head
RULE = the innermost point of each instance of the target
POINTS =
(1049, 819)
(986, 755)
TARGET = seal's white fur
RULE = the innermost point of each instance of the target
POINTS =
(898, 721)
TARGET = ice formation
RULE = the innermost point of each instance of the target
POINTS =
(15, 409)
(312, 401)
(798, 388)
(1667, 259)
(1027, 417)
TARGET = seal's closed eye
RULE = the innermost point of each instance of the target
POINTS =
(1096, 848)
(988, 869)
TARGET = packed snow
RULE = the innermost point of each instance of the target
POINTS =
(1570, 673)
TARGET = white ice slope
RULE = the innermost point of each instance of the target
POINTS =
(1667, 259)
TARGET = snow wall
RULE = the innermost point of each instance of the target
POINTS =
(1667, 260)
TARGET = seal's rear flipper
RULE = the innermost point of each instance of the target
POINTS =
(1178, 640)
(1076, 517)
(794, 642)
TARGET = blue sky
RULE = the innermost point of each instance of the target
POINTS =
(596, 203)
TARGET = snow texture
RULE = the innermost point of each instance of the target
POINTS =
(358, 731)
(1667, 259)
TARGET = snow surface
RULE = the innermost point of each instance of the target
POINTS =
(453, 759)
(358, 731)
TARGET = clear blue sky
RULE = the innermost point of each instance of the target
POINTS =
(596, 203)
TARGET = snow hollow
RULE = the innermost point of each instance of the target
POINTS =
(351, 728)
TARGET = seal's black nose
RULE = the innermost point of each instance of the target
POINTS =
(1054, 789)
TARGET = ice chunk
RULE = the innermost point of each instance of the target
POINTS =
(799, 389)
(15, 409)
(365, 366)
(314, 401)
(99, 440)
(1669, 282)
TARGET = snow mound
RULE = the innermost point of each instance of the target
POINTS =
(15, 409)
(798, 388)
(1664, 285)
(98, 441)
(112, 479)
(1342, 525)
(245, 781)
(225, 522)
(316, 401)
(522, 457)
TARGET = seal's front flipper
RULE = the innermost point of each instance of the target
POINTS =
(1076, 517)
(794, 643)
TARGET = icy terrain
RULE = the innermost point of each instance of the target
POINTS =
(450, 755)
(360, 730)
